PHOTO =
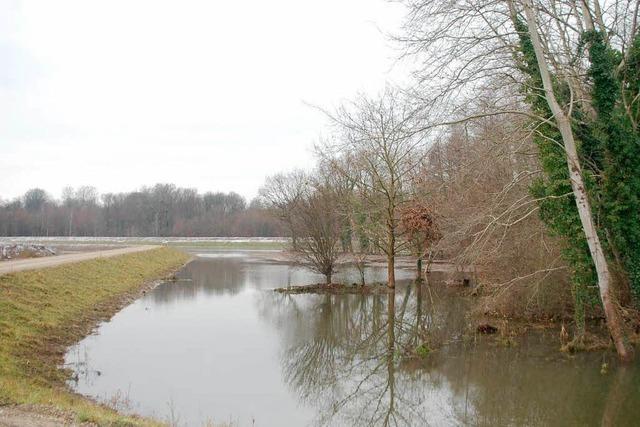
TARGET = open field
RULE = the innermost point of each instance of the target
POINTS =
(79, 244)
(42, 312)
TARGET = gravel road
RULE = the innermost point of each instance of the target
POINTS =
(53, 261)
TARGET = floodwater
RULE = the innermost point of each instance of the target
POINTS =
(218, 346)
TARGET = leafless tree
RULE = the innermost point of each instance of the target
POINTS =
(468, 45)
(383, 142)
(338, 173)
(160, 210)
(316, 223)
(282, 193)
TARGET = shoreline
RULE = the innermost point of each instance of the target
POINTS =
(49, 310)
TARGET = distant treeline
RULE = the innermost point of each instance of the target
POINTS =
(161, 210)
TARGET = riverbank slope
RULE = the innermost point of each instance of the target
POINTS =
(42, 312)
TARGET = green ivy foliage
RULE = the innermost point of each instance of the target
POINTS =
(558, 208)
(609, 150)
(618, 143)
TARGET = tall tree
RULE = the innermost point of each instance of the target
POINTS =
(381, 138)
(578, 185)
(317, 225)
(539, 49)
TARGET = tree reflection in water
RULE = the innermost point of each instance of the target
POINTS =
(344, 359)
(353, 358)
(348, 354)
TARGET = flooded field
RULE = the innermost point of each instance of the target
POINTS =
(219, 346)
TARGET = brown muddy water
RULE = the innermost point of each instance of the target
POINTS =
(218, 346)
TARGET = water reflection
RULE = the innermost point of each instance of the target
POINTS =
(355, 359)
(230, 273)
(218, 344)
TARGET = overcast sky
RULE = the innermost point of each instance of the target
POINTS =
(203, 94)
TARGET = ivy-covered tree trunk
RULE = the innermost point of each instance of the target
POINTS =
(614, 321)
(616, 151)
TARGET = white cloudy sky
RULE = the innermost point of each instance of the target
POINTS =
(205, 94)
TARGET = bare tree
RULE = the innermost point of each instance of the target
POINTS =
(282, 193)
(468, 45)
(35, 199)
(160, 210)
(338, 173)
(380, 138)
(316, 223)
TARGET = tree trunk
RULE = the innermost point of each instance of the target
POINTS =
(391, 271)
(419, 270)
(328, 278)
(391, 255)
(614, 321)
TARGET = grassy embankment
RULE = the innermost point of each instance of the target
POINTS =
(42, 312)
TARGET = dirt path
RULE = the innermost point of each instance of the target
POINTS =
(53, 261)
(25, 416)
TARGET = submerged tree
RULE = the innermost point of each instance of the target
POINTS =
(316, 223)
(420, 230)
(355, 238)
(383, 139)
